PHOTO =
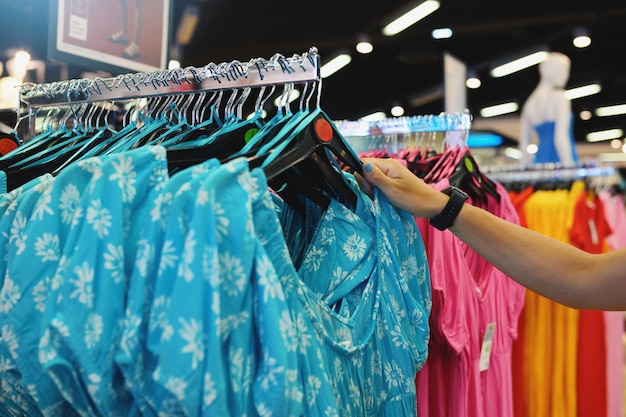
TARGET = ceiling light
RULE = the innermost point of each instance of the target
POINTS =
(585, 115)
(519, 64)
(380, 115)
(513, 153)
(443, 33)
(22, 58)
(364, 47)
(499, 109)
(335, 65)
(188, 23)
(612, 157)
(397, 111)
(582, 41)
(583, 91)
(604, 135)
(411, 17)
(581, 38)
(611, 110)
(293, 96)
(532, 148)
(473, 83)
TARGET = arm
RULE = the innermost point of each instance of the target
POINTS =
(554, 269)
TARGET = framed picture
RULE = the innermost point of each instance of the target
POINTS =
(117, 36)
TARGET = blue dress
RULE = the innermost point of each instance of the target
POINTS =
(149, 295)
(80, 327)
(360, 303)
(33, 255)
(547, 152)
(15, 395)
(205, 358)
(161, 244)
(74, 372)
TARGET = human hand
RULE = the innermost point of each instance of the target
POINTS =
(403, 188)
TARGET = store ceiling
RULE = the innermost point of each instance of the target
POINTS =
(403, 69)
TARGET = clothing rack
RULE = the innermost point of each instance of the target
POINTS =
(397, 132)
(257, 72)
(406, 125)
(546, 172)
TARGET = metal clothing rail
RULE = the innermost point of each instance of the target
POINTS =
(443, 122)
(546, 172)
(396, 133)
(257, 72)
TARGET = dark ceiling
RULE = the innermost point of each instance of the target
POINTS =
(402, 68)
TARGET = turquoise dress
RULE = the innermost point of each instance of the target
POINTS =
(79, 329)
(16, 207)
(208, 351)
(68, 277)
(160, 246)
(149, 295)
(36, 237)
(360, 302)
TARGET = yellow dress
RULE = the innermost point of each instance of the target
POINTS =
(551, 329)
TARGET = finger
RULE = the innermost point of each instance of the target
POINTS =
(365, 185)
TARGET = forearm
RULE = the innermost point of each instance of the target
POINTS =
(551, 268)
(547, 266)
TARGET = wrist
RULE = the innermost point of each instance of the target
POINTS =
(445, 218)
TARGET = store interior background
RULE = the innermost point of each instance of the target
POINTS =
(402, 70)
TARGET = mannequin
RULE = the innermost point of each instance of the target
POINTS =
(548, 113)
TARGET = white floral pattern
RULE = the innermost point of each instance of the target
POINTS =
(186, 285)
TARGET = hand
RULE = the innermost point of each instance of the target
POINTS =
(403, 188)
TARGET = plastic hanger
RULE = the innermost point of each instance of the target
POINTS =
(315, 138)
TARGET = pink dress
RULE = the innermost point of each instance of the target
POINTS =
(468, 294)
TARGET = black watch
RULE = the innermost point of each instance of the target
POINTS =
(446, 218)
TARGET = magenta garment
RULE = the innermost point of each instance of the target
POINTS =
(615, 214)
(449, 383)
(613, 331)
(468, 293)
(501, 301)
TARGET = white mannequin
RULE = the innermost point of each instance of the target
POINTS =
(547, 103)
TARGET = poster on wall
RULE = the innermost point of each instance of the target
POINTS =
(118, 36)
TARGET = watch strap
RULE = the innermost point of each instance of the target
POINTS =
(446, 218)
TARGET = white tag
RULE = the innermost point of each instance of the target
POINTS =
(593, 231)
(485, 350)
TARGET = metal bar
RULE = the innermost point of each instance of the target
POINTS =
(256, 72)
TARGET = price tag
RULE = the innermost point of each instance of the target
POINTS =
(485, 350)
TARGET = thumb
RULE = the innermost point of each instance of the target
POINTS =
(373, 173)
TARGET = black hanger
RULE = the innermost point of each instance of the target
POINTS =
(468, 177)
(320, 141)
(222, 148)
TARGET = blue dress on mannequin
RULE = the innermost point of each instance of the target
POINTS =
(547, 152)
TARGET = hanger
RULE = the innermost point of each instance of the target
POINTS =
(222, 142)
(468, 177)
(101, 132)
(315, 139)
